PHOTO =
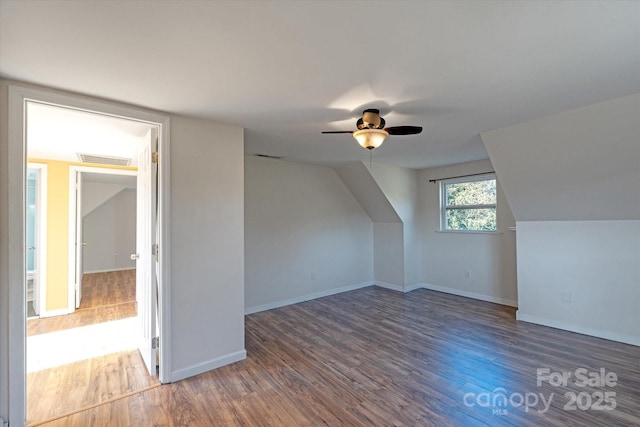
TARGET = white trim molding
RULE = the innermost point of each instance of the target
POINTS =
(16, 267)
(75, 221)
(41, 233)
(391, 286)
(303, 298)
(453, 291)
(409, 288)
(18, 95)
(627, 339)
(399, 288)
(58, 312)
(209, 365)
(467, 294)
(75, 228)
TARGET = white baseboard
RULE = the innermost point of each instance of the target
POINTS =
(400, 288)
(303, 298)
(191, 371)
(409, 288)
(391, 286)
(467, 294)
(577, 329)
(109, 270)
(58, 312)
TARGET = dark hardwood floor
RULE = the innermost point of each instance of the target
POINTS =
(375, 357)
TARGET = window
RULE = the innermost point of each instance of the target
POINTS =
(468, 204)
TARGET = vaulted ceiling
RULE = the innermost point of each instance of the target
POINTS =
(286, 70)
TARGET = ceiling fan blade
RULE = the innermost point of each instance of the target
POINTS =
(404, 130)
(338, 131)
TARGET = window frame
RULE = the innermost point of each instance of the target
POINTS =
(444, 208)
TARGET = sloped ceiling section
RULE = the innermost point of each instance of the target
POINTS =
(582, 164)
(96, 194)
(367, 192)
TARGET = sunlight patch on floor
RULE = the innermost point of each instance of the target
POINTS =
(71, 345)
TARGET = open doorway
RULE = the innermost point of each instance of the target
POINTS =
(105, 212)
(72, 348)
(16, 262)
(36, 240)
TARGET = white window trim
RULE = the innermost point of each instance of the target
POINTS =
(443, 207)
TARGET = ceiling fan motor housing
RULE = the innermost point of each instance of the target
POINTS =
(371, 120)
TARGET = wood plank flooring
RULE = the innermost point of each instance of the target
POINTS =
(105, 297)
(374, 357)
(63, 389)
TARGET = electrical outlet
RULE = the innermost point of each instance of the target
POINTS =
(313, 275)
(566, 297)
(467, 274)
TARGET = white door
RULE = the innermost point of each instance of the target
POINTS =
(79, 243)
(146, 290)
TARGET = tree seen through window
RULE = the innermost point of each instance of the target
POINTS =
(469, 205)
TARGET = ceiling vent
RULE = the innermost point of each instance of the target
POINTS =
(267, 156)
(104, 160)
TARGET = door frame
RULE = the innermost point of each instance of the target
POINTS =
(17, 165)
(41, 234)
(73, 214)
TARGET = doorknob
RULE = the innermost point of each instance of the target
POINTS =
(135, 256)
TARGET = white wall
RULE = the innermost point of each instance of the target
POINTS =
(305, 234)
(388, 229)
(110, 234)
(388, 194)
(207, 248)
(596, 262)
(388, 254)
(207, 245)
(400, 186)
(357, 177)
(95, 194)
(572, 180)
(489, 258)
(578, 165)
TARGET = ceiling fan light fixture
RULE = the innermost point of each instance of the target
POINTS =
(370, 138)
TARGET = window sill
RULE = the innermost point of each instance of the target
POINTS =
(486, 233)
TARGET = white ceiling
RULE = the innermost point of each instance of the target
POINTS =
(286, 70)
(62, 133)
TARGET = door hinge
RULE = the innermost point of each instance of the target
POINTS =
(154, 249)
(155, 342)
(154, 157)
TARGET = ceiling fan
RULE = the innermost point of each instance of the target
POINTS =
(371, 132)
